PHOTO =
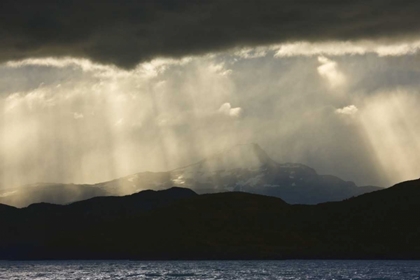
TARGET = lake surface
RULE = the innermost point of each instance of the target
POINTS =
(211, 270)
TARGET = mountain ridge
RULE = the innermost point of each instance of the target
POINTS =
(244, 167)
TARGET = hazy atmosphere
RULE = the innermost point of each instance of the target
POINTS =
(87, 97)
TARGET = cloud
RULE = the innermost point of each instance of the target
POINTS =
(174, 112)
(348, 110)
(227, 110)
(126, 32)
(252, 52)
(330, 72)
(338, 48)
(148, 69)
(220, 69)
(78, 116)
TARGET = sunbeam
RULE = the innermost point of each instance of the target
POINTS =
(391, 122)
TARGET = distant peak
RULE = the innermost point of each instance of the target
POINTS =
(260, 153)
(248, 156)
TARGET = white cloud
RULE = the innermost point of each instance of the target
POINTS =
(77, 115)
(12, 101)
(337, 48)
(146, 70)
(330, 72)
(220, 69)
(227, 110)
(248, 53)
(348, 110)
(84, 64)
(235, 112)
(38, 98)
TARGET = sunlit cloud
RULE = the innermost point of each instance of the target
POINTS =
(336, 48)
(248, 53)
(348, 110)
(84, 64)
(147, 69)
(220, 69)
(77, 115)
(329, 71)
(227, 110)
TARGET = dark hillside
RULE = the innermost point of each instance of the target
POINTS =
(178, 224)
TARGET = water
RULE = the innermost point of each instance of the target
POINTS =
(211, 270)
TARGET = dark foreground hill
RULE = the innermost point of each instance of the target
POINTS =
(178, 224)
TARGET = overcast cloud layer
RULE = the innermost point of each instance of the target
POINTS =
(126, 32)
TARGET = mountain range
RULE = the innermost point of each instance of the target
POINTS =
(179, 224)
(245, 168)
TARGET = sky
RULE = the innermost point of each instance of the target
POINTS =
(94, 90)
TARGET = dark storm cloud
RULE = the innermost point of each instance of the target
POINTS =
(125, 32)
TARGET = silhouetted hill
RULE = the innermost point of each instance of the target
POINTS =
(245, 168)
(101, 208)
(51, 193)
(178, 224)
(130, 204)
(6, 208)
(7, 212)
